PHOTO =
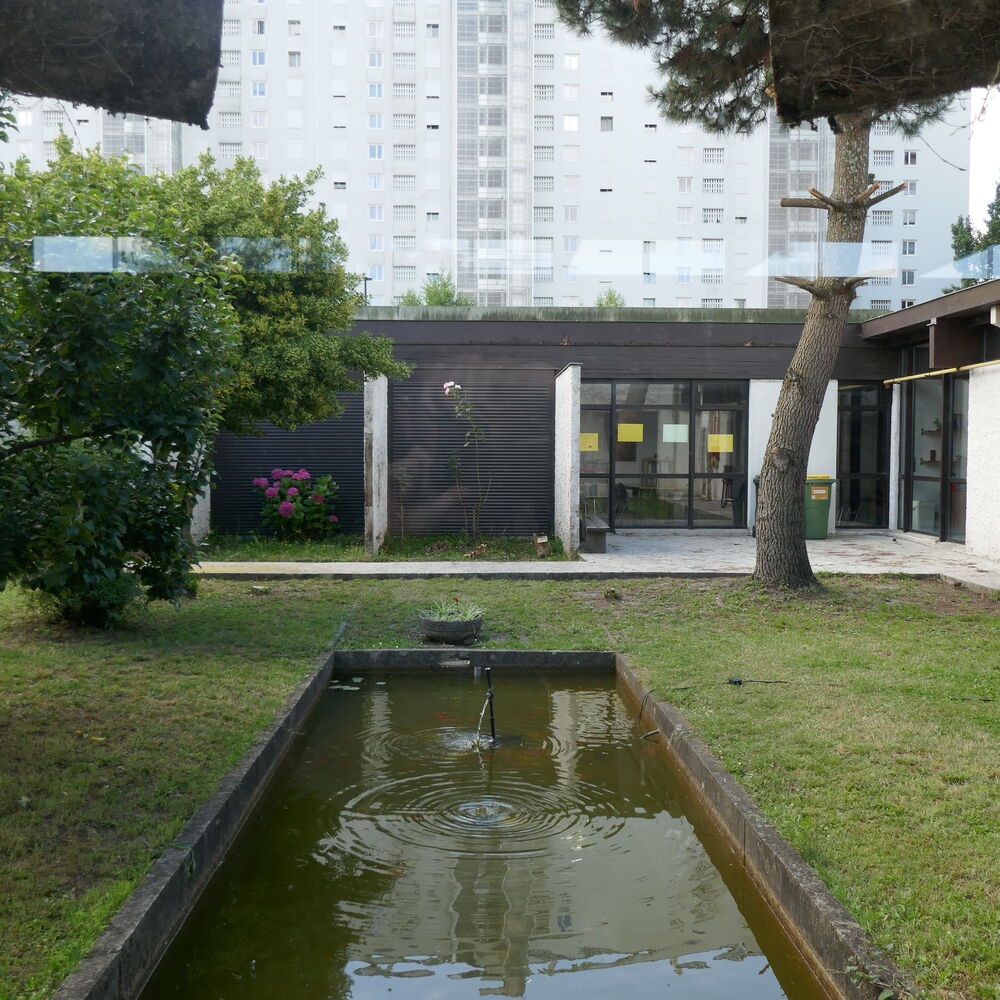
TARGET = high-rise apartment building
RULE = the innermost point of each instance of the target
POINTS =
(484, 138)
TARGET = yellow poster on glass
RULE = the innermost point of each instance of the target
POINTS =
(588, 442)
(630, 432)
(720, 442)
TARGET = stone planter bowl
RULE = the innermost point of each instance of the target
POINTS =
(450, 631)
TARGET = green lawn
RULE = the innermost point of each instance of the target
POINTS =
(351, 548)
(879, 758)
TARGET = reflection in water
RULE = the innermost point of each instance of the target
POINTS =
(395, 860)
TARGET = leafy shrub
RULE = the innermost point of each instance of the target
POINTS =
(296, 505)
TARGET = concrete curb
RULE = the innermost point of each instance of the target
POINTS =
(459, 657)
(117, 967)
(824, 933)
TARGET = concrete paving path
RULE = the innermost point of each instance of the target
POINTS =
(670, 553)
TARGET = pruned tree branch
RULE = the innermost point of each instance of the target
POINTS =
(802, 203)
(840, 206)
(870, 190)
(804, 284)
(885, 194)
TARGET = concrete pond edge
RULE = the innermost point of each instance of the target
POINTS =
(828, 938)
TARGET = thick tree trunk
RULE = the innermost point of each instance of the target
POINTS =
(782, 560)
(147, 57)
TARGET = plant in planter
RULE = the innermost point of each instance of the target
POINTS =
(451, 621)
(296, 505)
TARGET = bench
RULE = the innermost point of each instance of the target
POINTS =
(593, 534)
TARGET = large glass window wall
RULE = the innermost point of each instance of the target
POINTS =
(863, 411)
(668, 454)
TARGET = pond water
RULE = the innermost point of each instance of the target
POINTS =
(395, 859)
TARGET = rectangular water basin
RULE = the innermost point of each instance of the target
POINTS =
(400, 855)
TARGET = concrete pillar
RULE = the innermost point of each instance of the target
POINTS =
(201, 515)
(376, 463)
(895, 442)
(567, 457)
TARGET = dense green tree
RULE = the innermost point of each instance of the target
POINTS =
(293, 292)
(610, 298)
(437, 290)
(983, 243)
(109, 382)
(712, 56)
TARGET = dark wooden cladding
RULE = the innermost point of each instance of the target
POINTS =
(627, 350)
(516, 409)
(327, 448)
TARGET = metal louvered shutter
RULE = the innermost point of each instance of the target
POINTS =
(327, 448)
(515, 407)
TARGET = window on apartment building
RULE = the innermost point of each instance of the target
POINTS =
(713, 246)
(571, 183)
(404, 272)
(740, 220)
(376, 29)
(649, 277)
(376, 243)
(740, 303)
(881, 217)
(607, 95)
(545, 31)
(432, 126)
(404, 151)
(910, 189)
(404, 182)
(685, 215)
(607, 123)
(258, 150)
(340, 27)
(910, 157)
(294, 57)
(544, 60)
(404, 121)
(376, 213)
(685, 185)
(906, 303)
(229, 150)
(542, 300)
(649, 246)
(711, 216)
(909, 248)
(258, 88)
(909, 216)
(545, 92)
(649, 302)
(493, 24)
(230, 58)
(712, 185)
(649, 161)
(543, 184)
(376, 272)
(375, 119)
(883, 157)
(684, 275)
(376, 182)
(544, 123)
(881, 248)
(433, 30)
(711, 275)
(685, 154)
(571, 213)
(571, 60)
(229, 119)
(543, 275)
(543, 213)
(374, 60)
(231, 29)
(404, 29)
(229, 88)
(883, 185)
(650, 126)
(404, 91)
(907, 277)
(571, 243)
(713, 154)
(711, 303)
(404, 213)
(545, 152)
(375, 90)
(571, 123)
(570, 272)
(295, 28)
(571, 92)
(404, 60)
(571, 154)
(885, 304)
(543, 245)
(432, 216)
(374, 151)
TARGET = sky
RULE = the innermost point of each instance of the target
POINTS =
(985, 153)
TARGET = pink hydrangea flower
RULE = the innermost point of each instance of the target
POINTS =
(286, 472)
(286, 509)
(292, 491)
(276, 473)
(276, 483)
(261, 481)
(303, 474)
(317, 498)
(271, 491)
(333, 518)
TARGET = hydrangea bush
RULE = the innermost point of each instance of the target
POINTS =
(296, 505)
